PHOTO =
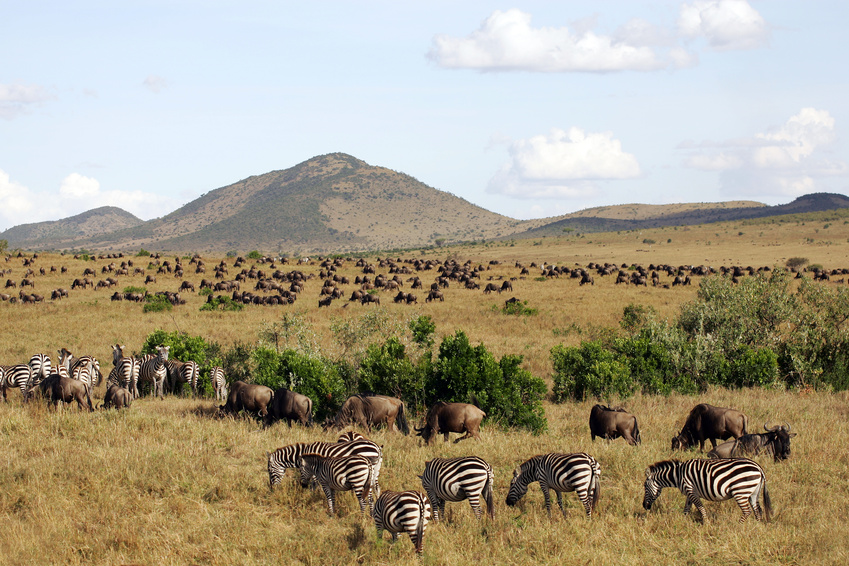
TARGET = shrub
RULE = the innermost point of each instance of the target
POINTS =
(254, 254)
(518, 308)
(133, 289)
(423, 329)
(157, 303)
(386, 370)
(185, 347)
(222, 303)
(589, 370)
(143, 253)
(796, 262)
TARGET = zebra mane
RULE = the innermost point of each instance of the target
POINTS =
(662, 466)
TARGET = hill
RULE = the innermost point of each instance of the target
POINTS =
(103, 220)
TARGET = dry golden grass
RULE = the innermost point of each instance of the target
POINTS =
(167, 483)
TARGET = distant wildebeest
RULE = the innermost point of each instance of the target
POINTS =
(775, 441)
(434, 295)
(506, 286)
(612, 423)
(490, 287)
(291, 406)
(248, 397)
(372, 410)
(369, 298)
(444, 418)
(706, 422)
(117, 397)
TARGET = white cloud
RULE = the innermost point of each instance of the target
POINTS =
(725, 24)
(155, 83)
(506, 41)
(563, 164)
(17, 99)
(784, 161)
(75, 186)
(15, 199)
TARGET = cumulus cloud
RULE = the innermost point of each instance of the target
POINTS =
(725, 24)
(563, 164)
(155, 83)
(17, 99)
(788, 160)
(76, 194)
(506, 41)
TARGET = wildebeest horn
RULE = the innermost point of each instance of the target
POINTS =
(786, 426)
(769, 428)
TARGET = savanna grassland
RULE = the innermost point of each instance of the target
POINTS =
(168, 482)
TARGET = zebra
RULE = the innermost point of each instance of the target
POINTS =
(455, 479)
(350, 436)
(19, 375)
(402, 512)
(76, 368)
(183, 372)
(561, 472)
(126, 371)
(714, 480)
(152, 368)
(41, 368)
(219, 383)
(289, 457)
(347, 473)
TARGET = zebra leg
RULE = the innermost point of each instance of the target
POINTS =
(394, 538)
(475, 502)
(331, 499)
(746, 507)
(547, 497)
(560, 502)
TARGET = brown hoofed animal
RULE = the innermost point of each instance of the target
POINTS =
(291, 406)
(612, 423)
(372, 410)
(65, 390)
(775, 441)
(117, 397)
(444, 418)
(707, 422)
(248, 397)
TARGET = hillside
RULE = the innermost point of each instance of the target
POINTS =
(91, 223)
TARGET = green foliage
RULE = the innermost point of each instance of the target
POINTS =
(133, 289)
(387, 370)
(635, 316)
(589, 370)
(254, 254)
(222, 303)
(184, 347)
(796, 262)
(204, 292)
(143, 253)
(423, 329)
(648, 241)
(4, 245)
(470, 374)
(518, 308)
(157, 303)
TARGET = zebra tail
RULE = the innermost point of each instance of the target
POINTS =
(596, 487)
(767, 505)
(487, 494)
(402, 420)
(420, 527)
(367, 490)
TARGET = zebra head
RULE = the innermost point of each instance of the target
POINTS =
(658, 476)
(306, 465)
(518, 487)
(163, 352)
(276, 470)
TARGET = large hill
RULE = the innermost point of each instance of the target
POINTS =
(337, 203)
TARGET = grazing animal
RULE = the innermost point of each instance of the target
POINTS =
(706, 422)
(78, 367)
(19, 376)
(714, 480)
(117, 397)
(183, 372)
(349, 473)
(402, 512)
(444, 418)
(249, 397)
(126, 370)
(456, 479)
(289, 457)
(66, 390)
(291, 406)
(561, 472)
(372, 410)
(775, 441)
(612, 423)
(219, 383)
(152, 369)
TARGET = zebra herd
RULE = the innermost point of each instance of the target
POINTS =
(353, 464)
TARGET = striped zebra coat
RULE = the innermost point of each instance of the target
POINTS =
(347, 473)
(714, 480)
(77, 368)
(126, 371)
(152, 370)
(456, 479)
(289, 457)
(219, 383)
(182, 372)
(559, 472)
(18, 376)
(402, 512)
(41, 368)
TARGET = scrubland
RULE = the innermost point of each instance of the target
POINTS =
(169, 482)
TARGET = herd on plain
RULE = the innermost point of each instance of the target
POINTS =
(353, 463)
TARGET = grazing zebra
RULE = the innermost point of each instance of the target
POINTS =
(402, 512)
(41, 368)
(347, 473)
(152, 369)
(714, 480)
(126, 371)
(76, 368)
(15, 376)
(183, 372)
(560, 472)
(350, 436)
(455, 479)
(219, 383)
(289, 457)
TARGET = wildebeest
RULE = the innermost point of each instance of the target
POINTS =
(372, 410)
(65, 390)
(612, 423)
(117, 397)
(248, 397)
(775, 441)
(291, 406)
(707, 422)
(443, 418)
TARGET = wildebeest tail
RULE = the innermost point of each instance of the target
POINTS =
(309, 412)
(767, 505)
(87, 388)
(402, 420)
(637, 436)
(487, 495)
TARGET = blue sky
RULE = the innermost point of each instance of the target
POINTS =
(530, 109)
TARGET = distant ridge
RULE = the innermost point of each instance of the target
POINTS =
(336, 203)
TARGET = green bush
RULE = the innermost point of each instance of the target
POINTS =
(589, 370)
(518, 308)
(184, 347)
(423, 329)
(222, 303)
(157, 303)
(143, 253)
(134, 289)
(254, 255)
(386, 370)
